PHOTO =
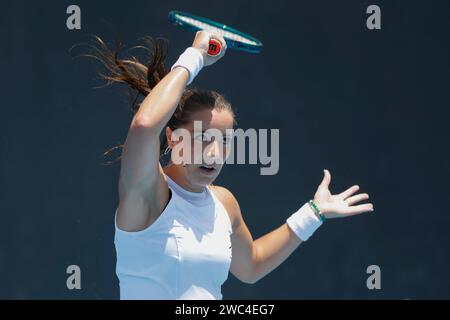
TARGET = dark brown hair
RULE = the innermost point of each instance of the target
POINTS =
(141, 78)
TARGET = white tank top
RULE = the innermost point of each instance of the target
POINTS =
(184, 254)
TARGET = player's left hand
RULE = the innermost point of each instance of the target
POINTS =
(342, 204)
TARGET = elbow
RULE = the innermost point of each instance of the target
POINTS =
(141, 121)
(248, 270)
(250, 280)
(144, 122)
(248, 277)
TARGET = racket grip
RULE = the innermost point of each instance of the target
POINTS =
(214, 47)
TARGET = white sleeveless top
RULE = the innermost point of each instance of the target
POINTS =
(184, 254)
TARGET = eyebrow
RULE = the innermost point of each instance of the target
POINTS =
(223, 133)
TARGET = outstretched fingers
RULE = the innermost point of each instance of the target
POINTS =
(347, 193)
(367, 207)
(356, 198)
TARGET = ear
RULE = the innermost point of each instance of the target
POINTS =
(169, 137)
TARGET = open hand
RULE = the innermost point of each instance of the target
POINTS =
(342, 204)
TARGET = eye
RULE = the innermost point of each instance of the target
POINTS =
(226, 140)
(201, 137)
(205, 137)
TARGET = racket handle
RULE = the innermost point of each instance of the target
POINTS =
(214, 47)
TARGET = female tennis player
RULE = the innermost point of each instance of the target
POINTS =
(176, 235)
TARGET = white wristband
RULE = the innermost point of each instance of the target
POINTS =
(304, 222)
(192, 60)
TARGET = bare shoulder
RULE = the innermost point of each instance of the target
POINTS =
(229, 201)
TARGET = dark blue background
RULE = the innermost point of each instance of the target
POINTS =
(371, 106)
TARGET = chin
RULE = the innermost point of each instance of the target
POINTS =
(206, 178)
(204, 181)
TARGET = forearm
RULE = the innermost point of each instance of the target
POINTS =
(272, 249)
(160, 104)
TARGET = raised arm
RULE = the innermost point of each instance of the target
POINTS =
(143, 191)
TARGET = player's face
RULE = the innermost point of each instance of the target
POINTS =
(208, 144)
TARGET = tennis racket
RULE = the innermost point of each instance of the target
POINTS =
(235, 39)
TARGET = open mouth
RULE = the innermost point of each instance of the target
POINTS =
(207, 169)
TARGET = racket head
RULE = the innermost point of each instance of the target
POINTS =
(235, 39)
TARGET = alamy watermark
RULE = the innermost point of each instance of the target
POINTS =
(374, 280)
(212, 146)
(373, 21)
(73, 21)
(74, 280)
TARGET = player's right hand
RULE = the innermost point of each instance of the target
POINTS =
(201, 42)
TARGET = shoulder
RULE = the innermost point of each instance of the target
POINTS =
(229, 201)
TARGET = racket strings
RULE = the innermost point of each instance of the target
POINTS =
(224, 33)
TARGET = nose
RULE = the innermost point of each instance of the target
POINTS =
(213, 150)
